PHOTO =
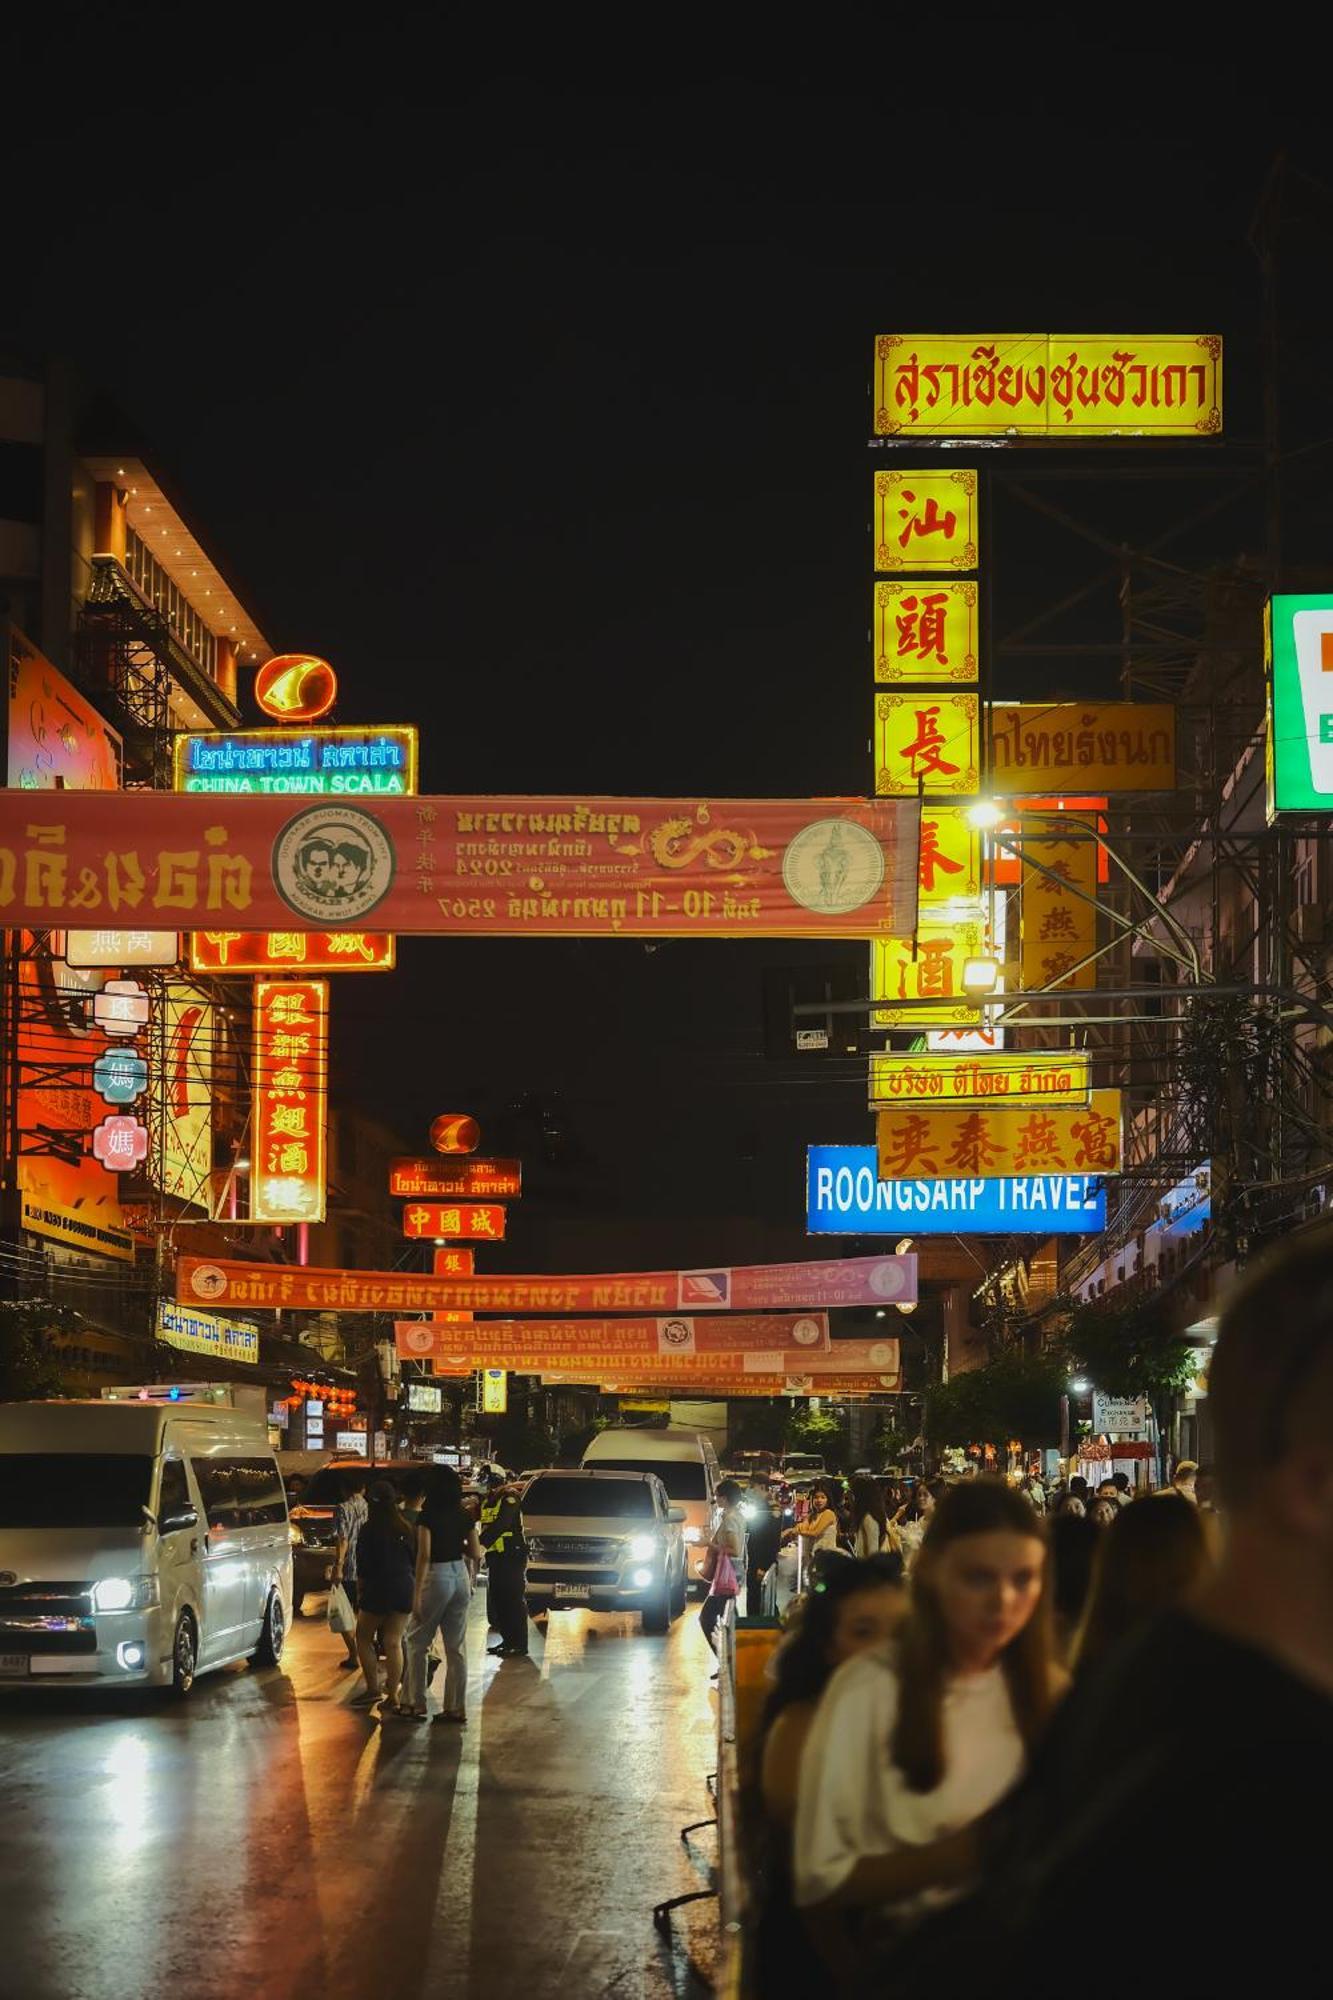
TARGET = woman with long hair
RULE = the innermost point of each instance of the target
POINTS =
(872, 1532)
(385, 1573)
(448, 1555)
(914, 1518)
(725, 1561)
(914, 1742)
(819, 1530)
(1150, 1560)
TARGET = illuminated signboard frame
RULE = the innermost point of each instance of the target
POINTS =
(195, 1332)
(1033, 1205)
(290, 1081)
(1048, 384)
(287, 749)
(1298, 641)
(292, 951)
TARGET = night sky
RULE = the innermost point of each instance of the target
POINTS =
(543, 412)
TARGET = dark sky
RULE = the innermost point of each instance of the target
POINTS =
(541, 409)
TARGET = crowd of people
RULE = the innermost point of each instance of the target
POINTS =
(969, 1728)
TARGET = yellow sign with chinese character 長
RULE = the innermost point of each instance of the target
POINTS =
(950, 870)
(925, 630)
(925, 520)
(1059, 918)
(1048, 384)
(998, 1141)
(934, 975)
(927, 743)
(977, 1079)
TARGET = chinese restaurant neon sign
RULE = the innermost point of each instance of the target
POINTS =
(290, 1075)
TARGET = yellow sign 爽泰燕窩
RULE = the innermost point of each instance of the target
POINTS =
(934, 975)
(1109, 746)
(1059, 917)
(950, 870)
(1048, 384)
(977, 1079)
(925, 630)
(925, 520)
(992, 1143)
(927, 743)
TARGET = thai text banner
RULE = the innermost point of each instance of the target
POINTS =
(532, 867)
(1109, 746)
(846, 1197)
(1048, 384)
(844, 1357)
(847, 1281)
(977, 1079)
(999, 1140)
(462, 1179)
(732, 1386)
(512, 1343)
(374, 760)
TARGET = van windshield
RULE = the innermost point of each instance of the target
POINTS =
(682, 1477)
(73, 1489)
(590, 1497)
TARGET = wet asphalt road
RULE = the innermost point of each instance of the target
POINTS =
(264, 1838)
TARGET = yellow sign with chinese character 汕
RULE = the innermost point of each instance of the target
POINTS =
(1076, 746)
(950, 870)
(977, 1079)
(925, 520)
(998, 1141)
(934, 974)
(1059, 917)
(927, 743)
(925, 630)
(1048, 384)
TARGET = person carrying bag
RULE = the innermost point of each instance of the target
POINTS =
(725, 1560)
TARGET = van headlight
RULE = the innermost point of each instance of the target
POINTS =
(126, 1593)
(297, 1537)
(642, 1547)
(692, 1534)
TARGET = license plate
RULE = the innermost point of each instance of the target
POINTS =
(13, 1666)
(572, 1593)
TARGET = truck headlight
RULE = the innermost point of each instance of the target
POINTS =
(126, 1593)
(642, 1547)
(693, 1534)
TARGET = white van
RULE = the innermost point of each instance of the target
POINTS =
(686, 1464)
(140, 1542)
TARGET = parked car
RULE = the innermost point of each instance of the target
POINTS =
(686, 1464)
(604, 1541)
(140, 1542)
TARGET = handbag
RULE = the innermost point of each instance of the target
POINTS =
(724, 1577)
(341, 1616)
(708, 1567)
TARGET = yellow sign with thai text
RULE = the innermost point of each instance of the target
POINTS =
(1059, 915)
(1048, 384)
(925, 630)
(991, 1144)
(934, 974)
(925, 520)
(1110, 746)
(950, 870)
(944, 1080)
(927, 743)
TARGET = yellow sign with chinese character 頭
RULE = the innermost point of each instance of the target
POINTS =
(925, 520)
(925, 630)
(1048, 384)
(927, 743)
(977, 1079)
(950, 870)
(1059, 919)
(935, 975)
(993, 1143)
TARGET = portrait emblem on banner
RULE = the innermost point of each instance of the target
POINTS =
(675, 1336)
(833, 866)
(333, 866)
(207, 1282)
(807, 1333)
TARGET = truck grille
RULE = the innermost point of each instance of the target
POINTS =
(547, 1573)
(46, 1600)
(574, 1548)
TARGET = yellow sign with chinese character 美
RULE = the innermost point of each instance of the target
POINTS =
(976, 1079)
(927, 742)
(1079, 747)
(925, 630)
(925, 520)
(1059, 919)
(950, 870)
(935, 974)
(1048, 384)
(998, 1141)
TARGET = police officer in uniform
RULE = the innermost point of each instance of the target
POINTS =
(500, 1526)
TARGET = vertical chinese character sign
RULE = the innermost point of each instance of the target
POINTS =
(925, 521)
(290, 1076)
(1059, 907)
(925, 631)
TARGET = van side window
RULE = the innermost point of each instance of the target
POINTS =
(174, 1496)
(217, 1488)
(240, 1492)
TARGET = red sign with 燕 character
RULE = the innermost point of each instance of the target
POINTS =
(290, 1076)
(476, 1222)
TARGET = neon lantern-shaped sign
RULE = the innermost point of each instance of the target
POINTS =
(296, 687)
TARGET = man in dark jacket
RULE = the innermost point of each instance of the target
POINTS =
(763, 1524)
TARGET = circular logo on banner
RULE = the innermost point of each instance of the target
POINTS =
(421, 1339)
(676, 1333)
(833, 866)
(887, 1280)
(208, 1282)
(881, 1356)
(333, 864)
(807, 1333)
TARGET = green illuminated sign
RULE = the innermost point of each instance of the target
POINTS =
(337, 762)
(1298, 651)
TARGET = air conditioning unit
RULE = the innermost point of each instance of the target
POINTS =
(1307, 923)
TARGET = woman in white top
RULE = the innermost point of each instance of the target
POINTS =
(914, 1743)
(873, 1534)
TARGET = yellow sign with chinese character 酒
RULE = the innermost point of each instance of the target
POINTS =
(925, 630)
(925, 520)
(977, 1079)
(1048, 384)
(927, 743)
(1059, 919)
(935, 975)
(950, 870)
(990, 1144)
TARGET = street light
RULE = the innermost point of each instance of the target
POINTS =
(1080, 1385)
(985, 814)
(981, 976)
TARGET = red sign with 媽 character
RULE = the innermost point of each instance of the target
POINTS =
(476, 1222)
(290, 1076)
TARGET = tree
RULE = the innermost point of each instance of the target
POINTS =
(1130, 1348)
(29, 1366)
(1014, 1396)
(815, 1431)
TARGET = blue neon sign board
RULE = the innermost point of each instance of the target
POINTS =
(844, 1196)
(119, 1077)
